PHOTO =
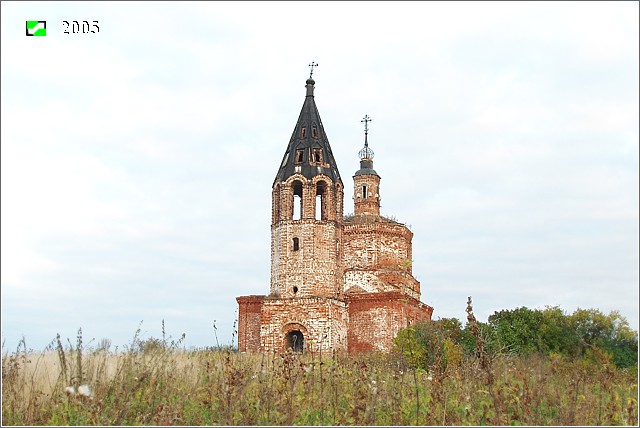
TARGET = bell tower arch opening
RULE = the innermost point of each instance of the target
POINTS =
(321, 200)
(297, 200)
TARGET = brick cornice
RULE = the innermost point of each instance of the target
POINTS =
(397, 229)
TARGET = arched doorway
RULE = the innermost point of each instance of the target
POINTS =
(294, 340)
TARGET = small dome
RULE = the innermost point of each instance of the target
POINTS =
(310, 81)
(366, 152)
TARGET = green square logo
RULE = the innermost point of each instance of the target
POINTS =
(36, 28)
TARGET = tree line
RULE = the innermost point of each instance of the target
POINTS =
(586, 333)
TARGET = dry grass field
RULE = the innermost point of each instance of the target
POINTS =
(157, 383)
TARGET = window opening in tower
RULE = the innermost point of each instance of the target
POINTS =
(297, 200)
(320, 200)
(317, 155)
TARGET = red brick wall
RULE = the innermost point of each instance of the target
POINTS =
(371, 242)
(249, 321)
(377, 257)
(361, 323)
(322, 321)
(315, 268)
(375, 319)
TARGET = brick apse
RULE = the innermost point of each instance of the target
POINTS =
(337, 283)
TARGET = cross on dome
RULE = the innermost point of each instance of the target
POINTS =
(366, 152)
(312, 66)
(366, 119)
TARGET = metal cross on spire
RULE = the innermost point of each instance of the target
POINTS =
(366, 119)
(366, 153)
(312, 65)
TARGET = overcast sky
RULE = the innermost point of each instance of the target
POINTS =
(137, 162)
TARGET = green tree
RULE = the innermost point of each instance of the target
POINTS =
(517, 330)
(408, 343)
(524, 331)
(487, 333)
(427, 344)
(610, 333)
(557, 334)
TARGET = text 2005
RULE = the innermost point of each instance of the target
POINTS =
(80, 27)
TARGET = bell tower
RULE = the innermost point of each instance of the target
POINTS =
(366, 181)
(307, 211)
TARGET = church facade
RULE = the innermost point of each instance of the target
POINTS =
(337, 283)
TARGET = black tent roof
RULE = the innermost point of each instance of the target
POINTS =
(309, 152)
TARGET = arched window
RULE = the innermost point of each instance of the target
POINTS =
(297, 200)
(296, 244)
(321, 196)
(364, 191)
(294, 340)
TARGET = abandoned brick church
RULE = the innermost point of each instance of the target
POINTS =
(337, 283)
